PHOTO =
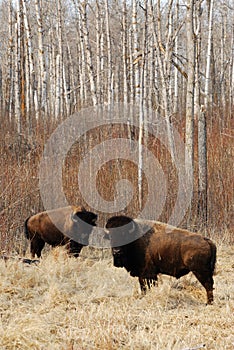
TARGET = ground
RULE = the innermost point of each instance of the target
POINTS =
(82, 304)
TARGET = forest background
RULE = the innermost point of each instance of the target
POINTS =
(174, 59)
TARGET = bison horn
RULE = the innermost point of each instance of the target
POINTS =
(74, 217)
(106, 234)
(133, 227)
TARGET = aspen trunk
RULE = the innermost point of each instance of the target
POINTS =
(137, 87)
(109, 57)
(83, 11)
(164, 53)
(99, 34)
(124, 51)
(176, 81)
(9, 85)
(42, 84)
(208, 55)
(202, 168)
(17, 84)
(189, 136)
(58, 88)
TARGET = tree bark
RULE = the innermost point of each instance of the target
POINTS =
(42, 84)
(208, 56)
(189, 133)
(83, 11)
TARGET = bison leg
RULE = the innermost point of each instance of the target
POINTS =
(143, 284)
(147, 282)
(74, 248)
(207, 281)
(37, 244)
(151, 282)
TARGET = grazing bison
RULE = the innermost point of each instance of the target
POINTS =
(58, 227)
(162, 249)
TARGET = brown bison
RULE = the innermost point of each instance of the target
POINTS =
(147, 248)
(69, 226)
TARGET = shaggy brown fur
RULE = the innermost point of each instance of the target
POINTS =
(59, 227)
(162, 249)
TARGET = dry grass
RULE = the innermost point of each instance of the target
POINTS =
(86, 303)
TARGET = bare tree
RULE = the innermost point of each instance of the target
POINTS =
(9, 84)
(17, 82)
(124, 51)
(202, 168)
(164, 56)
(208, 54)
(31, 92)
(202, 132)
(85, 31)
(189, 134)
(109, 57)
(135, 52)
(42, 84)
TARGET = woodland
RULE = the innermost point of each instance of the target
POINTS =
(151, 66)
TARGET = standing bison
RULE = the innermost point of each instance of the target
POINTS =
(162, 249)
(58, 227)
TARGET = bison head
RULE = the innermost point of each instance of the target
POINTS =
(120, 230)
(82, 222)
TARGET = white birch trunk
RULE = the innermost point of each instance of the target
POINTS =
(42, 85)
(131, 70)
(202, 168)
(135, 53)
(109, 57)
(189, 141)
(208, 55)
(58, 88)
(124, 51)
(17, 69)
(61, 64)
(176, 80)
(231, 76)
(98, 52)
(93, 89)
(52, 76)
(151, 58)
(72, 77)
(197, 32)
(10, 51)
(31, 94)
(163, 59)
(81, 62)
(142, 108)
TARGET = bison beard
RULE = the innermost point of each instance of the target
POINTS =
(58, 227)
(162, 249)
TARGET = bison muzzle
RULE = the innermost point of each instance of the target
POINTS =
(148, 248)
(70, 226)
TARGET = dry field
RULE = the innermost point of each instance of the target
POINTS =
(73, 304)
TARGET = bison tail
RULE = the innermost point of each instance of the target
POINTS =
(26, 231)
(213, 254)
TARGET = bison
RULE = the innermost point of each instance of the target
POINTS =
(58, 227)
(147, 248)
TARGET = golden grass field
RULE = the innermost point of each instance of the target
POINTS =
(74, 304)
